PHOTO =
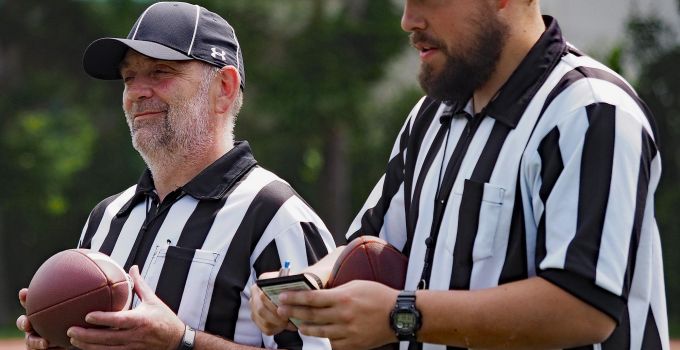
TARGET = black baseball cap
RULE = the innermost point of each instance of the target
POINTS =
(174, 31)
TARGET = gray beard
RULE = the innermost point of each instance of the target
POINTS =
(181, 136)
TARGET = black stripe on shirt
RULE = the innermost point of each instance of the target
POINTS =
(597, 161)
(198, 225)
(470, 207)
(515, 265)
(620, 338)
(373, 218)
(467, 232)
(611, 304)
(112, 236)
(177, 264)
(270, 260)
(551, 168)
(651, 338)
(232, 276)
(173, 277)
(421, 123)
(432, 153)
(96, 219)
(144, 242)
(647, 155)
(314, 245)
(579, 73)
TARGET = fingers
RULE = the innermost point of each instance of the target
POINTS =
(22, 297)
(317, 298)
(117, 319)
(23, 324)
(80, 337)
(332, 332)
(142, 289)
(267, 275)
(264, 313)
(35, 342)
(312, 315)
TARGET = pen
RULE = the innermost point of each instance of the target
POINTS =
(285, 270)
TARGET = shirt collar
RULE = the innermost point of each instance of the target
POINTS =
(210, 184)
(515, 95)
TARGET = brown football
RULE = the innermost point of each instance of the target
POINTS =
(71, 284)
(370, 258)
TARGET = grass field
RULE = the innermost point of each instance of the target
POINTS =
(10, 331)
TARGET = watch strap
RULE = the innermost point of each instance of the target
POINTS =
(314, 277)
(188, 339)
(406, 302)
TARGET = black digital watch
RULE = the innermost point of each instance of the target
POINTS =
(405, 319)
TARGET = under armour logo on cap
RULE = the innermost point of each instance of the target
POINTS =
(221, 53)
(175, 31)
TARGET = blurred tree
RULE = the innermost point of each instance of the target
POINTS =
(655, 49)
(311, 67)
(50, 134)
(321, 65)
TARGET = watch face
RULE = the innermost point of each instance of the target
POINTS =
(405, 320)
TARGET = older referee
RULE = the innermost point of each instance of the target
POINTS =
(204, 220)
(522, 189)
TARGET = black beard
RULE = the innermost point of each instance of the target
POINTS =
(465, 72)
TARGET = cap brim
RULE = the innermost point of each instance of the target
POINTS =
(102, 58)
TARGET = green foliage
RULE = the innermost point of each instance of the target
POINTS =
(311, 69)
(10, 331)
(659, 85)
(655, 49)
(615, 59)
(48, 148)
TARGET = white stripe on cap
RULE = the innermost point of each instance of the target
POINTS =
(238, 49)
(141, 18)
(193, 37)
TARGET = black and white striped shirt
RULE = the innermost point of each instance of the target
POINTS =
(204, 246)
(554, 178)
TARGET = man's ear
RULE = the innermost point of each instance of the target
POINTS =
(229, 82)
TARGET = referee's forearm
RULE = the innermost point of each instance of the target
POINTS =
(206, 341)
(324, 266)
(529, 314)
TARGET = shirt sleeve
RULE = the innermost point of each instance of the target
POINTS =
(383, 212)
(298, 235)
(598, 170)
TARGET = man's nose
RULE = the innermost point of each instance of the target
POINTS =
(412, 20)
(139, 88)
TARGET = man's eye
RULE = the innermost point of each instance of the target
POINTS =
(128, 79)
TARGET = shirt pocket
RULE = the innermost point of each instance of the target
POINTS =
(183, 279)
(485, 201)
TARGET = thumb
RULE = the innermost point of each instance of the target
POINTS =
(145, 293)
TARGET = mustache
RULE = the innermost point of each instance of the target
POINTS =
(147, 105)
(422, 37)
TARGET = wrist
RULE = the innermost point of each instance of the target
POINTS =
(405, 318)
(315, 279)
(188, 339)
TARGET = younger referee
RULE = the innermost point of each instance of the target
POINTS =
(204, 220)
(522, 190)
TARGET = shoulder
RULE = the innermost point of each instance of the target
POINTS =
(122, 196)
(583, 82)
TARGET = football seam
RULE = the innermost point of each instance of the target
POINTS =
(341, 266)
(371, 262)
(108, 281)
(71, 299)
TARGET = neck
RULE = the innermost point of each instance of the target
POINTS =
(521, 38)
(173, 171)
